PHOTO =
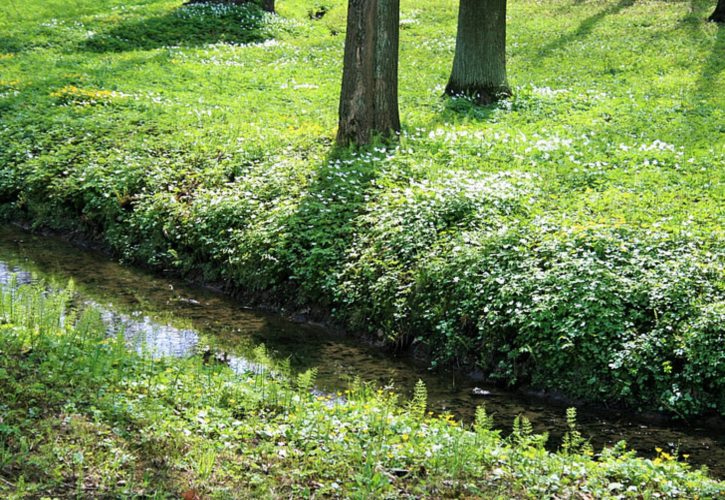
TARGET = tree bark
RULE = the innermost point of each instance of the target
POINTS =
(369, 95)
(719, 15)
(268, 5)
(479, 64)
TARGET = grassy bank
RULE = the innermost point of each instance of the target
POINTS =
(570, 238)
(83, 415)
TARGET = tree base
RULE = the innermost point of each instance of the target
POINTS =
(718, 16)
(483, 96)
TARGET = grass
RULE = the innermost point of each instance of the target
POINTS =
(569, 238)
(83, 416)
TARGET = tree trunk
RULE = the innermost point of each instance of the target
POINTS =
(369, 96)
(479, 65)
(268, 5)
(719, 15)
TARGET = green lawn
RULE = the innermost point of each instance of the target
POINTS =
(570, 238)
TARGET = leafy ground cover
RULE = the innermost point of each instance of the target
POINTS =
(82, 415)
(570, 238)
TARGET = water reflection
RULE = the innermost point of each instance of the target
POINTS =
(169, 318)
(8, 273)
(148, 336)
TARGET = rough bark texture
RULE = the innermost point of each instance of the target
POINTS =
(369, 96)
(479, 65)
(719, 15)
(387, 41)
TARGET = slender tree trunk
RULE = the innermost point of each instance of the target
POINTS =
(719, 15)
(268, 5)
(369, 96)
(479, 65)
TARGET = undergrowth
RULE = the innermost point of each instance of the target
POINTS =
(570, 238)
(84, 416)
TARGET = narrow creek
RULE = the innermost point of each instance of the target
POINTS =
(170, 317)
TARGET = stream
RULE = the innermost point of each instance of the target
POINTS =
(172, 318)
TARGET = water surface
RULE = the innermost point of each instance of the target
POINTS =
(169, 317)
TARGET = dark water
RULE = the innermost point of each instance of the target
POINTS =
(169, 317)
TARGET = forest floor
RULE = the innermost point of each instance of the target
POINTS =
(569, 238)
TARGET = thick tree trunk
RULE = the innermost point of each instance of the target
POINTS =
(719, 15)
(369, 96)
(479, 65)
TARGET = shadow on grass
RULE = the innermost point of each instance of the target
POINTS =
(704, 97)
(584, 29)
(702, 103)
(457, 110)
(698, 11)
(321, 229)
(10, 45)
(714, 65)
(695, 23)
(190, 26)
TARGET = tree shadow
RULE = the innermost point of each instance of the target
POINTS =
(459, 110)
(714, 65)
(584, 29)
(466, 108)
(706, 89)
(698, 11)
(321, 229)
(11, 45)
(190, 26)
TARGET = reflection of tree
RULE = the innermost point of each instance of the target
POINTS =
(146, 335)
(9, 273)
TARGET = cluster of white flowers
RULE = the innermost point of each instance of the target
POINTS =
(548, 92)
(298, 86)
(52, 23)
(454, 135)
(657, 145)
(551, 144)
(206, 9)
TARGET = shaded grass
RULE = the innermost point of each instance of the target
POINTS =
(185, 27)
